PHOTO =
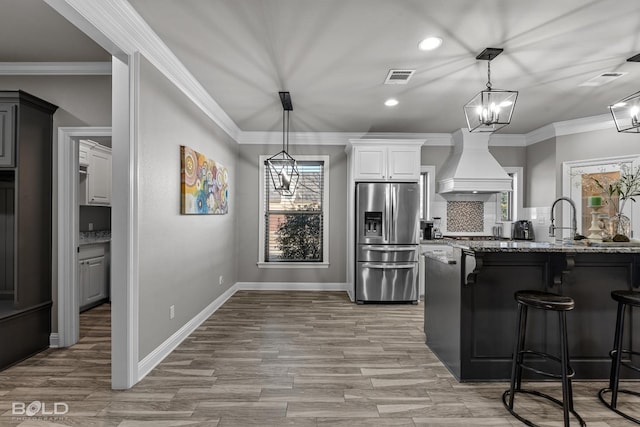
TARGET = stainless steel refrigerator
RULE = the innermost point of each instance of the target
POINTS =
(387, 224)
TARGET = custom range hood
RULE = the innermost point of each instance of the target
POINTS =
(471, 168)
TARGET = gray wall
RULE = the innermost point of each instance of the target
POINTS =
(248, 221)
(81, 101)
(98, 216)
(593, 145)
(540, 182)
(544, 159)
(180, 256)
(510, 156)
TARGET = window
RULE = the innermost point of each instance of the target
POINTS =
(427, 190)
(509, 203)
(505, 201)
(293, 228)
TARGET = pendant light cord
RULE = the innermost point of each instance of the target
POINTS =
(489, 74)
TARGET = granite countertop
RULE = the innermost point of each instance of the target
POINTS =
(529, 246)
(94, 237)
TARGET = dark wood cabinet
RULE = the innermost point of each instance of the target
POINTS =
(26, 130)
(471, 313)
(7, 134)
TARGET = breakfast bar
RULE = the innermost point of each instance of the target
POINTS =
(470, 311)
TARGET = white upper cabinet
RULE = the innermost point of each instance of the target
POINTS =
(386, 160)
(95, 174)
(371, 162)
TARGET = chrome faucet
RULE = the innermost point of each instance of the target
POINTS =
(574, 220)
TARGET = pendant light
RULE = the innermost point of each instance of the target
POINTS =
(626, 113)
(282, 167)
(491, 109)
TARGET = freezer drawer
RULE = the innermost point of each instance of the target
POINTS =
(387, 282)
(388, 253)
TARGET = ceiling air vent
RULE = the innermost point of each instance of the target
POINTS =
(602, 79)
(398, 77)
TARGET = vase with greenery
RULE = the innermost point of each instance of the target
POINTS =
(617, 192)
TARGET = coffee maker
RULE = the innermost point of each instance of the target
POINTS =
(426, 230)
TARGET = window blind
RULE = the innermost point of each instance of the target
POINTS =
(294, 224)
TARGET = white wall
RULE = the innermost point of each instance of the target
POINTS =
(180, 256)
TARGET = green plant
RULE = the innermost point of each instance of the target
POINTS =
(618, 191)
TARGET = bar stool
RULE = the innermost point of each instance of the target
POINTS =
(550, 302)
(631, 299)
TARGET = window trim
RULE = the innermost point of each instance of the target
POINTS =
(430, 170)
(325, 215)
(518, 195)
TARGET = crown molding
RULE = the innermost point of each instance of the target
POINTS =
(55, 68)
(507, 140)
(569, 127)
(585, 124)
(121, 24)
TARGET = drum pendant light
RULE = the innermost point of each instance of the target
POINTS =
(282, 167)
(491, 109)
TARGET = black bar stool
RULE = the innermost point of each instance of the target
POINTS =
(631, 299)
(542, 301)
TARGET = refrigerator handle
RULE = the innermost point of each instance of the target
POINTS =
(386, 214)
(394, 210)
(389, 266)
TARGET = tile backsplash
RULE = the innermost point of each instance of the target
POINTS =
(465, 216)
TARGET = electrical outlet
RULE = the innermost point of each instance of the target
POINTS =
(220, 280)
(90, 226)
(172, 312)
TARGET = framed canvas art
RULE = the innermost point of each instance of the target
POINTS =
(204, 184)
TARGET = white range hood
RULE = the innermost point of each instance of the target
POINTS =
(471, 168)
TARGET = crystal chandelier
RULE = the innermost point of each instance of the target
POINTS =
(491, 109)
(283, 168)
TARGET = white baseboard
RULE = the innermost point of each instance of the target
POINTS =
(291, 286)
(163, 350)
(54, 340)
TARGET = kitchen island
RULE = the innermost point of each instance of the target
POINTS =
(470, 311)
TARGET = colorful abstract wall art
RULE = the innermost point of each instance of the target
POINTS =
(204, 184)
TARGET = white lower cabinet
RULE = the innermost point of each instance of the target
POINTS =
(93, 278)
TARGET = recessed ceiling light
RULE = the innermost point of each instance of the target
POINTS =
(391, 102)
(430, 43)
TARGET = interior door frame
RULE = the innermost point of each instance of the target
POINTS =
(68, 235)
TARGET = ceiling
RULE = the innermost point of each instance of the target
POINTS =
(31, 31)
(333, 56)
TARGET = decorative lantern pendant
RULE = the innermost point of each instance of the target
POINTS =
(491, 109)
(282, 167)
(626, 114)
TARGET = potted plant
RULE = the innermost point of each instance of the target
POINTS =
(617, 193)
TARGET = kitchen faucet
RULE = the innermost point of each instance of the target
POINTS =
(574, 221)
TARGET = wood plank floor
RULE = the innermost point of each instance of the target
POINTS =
(280, 359)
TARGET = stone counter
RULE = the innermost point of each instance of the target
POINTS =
(581, 246)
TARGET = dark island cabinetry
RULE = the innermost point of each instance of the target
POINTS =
(470, 312)
(26, 129)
